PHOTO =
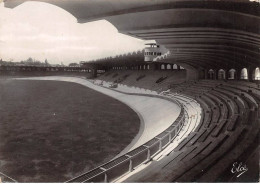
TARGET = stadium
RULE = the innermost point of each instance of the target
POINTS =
(183, 109)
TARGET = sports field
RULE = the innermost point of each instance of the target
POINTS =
(52, 131)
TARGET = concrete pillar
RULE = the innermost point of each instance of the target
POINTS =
(215, 74)
(105, 178)
(206, 73)
(148, 155)
(130, 165)
(94, 72)
(178, 67)
(226, 74)
(238, 74)
(160, 145)
(250, 72)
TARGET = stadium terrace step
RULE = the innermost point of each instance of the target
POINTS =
(186, 152)
(205, 135)
(251, 101)
(233, 122)
(201, 122)
(236, 96)
(209, 101)
(223, 100)
(218, 128)
(202, 160)
(201, 147)
(245, 87)
(181, 170)
(196, 137)
(224, 144)
(208, 119)
(184, 142)
(252, 117)
(223, 166)
(232, 104)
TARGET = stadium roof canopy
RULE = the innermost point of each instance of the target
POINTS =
(200, 34)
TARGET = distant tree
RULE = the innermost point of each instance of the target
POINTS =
(29, 60)
(73, 65)
(46, 62)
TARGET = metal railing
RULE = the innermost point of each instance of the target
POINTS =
(6, 179)
(140, 155)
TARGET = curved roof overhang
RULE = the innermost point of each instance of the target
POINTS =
(200, 34)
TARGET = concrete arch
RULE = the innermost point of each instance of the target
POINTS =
(244, 73)
(182, 68)
(211, 74)
(231, 74)
(221, 74)
(162, 67)
(169, 67)
(256, 74)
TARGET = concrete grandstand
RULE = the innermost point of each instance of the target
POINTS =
(209, 78)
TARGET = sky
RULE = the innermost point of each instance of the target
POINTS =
(44, 31)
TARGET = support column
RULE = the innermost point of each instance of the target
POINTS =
(105, 178)
(130, 165)
(250, 71)
(215, 74)
(226, 74)
(238, 74)
(205, 73)
(148, 155)
(170, 137)
(94, 73)
(160, 145)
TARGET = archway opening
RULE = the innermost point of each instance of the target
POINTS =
(174, 67)
(244, 74)
(231, 74)
(256, 74)
(168, 67)
(162, 67)
(221, 74)
(211, 74)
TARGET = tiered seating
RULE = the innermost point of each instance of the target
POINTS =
(229, 123)
(222, 121)
(144, 78)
